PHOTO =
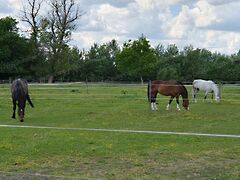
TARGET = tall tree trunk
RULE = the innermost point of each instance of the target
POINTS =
(50, 79)
(141, 80)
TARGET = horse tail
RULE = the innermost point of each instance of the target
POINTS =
(29, 101)
(148, 91)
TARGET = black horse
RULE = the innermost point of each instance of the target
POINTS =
(20, 94)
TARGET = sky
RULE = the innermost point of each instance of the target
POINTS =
(210, 24)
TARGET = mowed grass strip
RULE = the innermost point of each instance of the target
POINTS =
(81, 154)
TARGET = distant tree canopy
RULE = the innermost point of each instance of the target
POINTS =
(137, 59)
(45, 54)
(15, 50)
(51, 33)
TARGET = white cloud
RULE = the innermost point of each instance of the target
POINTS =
(211, 24)
(16, 4)
(220, 2)
(88, 38)
(114, 18)
(204, 14)
(181, 25)
(152, 4)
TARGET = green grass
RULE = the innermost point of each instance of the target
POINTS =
(26, 153)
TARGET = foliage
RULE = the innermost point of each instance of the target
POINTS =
(14, 50)
(99, 63)
(137, 58)
(47, 54)
(51, 33)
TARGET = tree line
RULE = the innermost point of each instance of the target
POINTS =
(46, 55)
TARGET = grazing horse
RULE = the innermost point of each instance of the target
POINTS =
(167, 88)
(19, 90)
(207, 86)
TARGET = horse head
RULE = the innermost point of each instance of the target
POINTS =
(217, 99)
(186, 104)
(184, 94)
(21, 114)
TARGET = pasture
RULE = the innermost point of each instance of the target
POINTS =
(34, 153)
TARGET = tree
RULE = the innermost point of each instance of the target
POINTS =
(99, 63)
(107, 60)
(169, 62)
(14, 50)
(30, 15)
(220, 67)
(235, 67)
(137, 58)
(58, 29)
(52, 33)
(191, 63)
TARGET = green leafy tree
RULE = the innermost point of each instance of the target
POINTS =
(220, 67)
(31, 15)
(191, 63)
(205, 58)
(235, 67)
(168, 62)
(14, 49)
(52, 33)
(99, 62)
(56, 32)
(137, 58)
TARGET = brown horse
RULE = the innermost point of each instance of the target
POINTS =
(167, 88)
(20, 94)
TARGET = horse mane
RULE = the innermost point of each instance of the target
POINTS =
(185, 95)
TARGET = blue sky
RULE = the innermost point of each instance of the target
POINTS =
(210, 24)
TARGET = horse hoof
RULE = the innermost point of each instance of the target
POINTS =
(21, 120)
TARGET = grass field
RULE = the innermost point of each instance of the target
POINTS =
(75, 154)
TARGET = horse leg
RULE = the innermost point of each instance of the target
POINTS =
(14, 109)
(155, 106)
(22, 111)
(153, 103)
(194, 92)
(170, 101)
(177, 100)
(205, 97)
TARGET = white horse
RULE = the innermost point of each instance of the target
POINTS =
(207, 86)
